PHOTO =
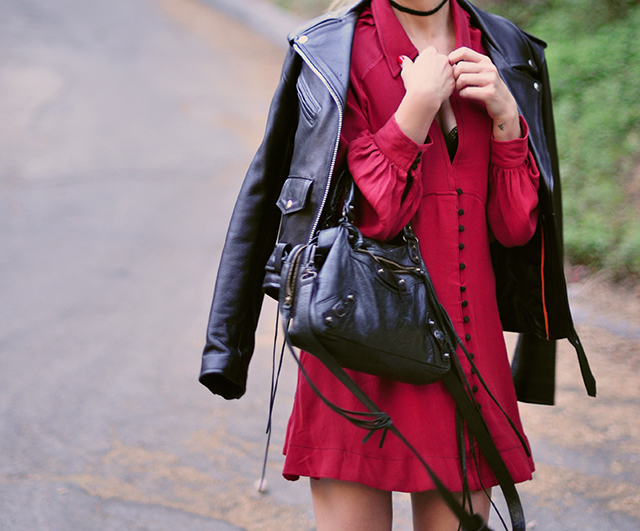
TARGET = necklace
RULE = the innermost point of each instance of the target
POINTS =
(415, 11)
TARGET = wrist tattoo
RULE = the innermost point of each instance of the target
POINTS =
(501, 126)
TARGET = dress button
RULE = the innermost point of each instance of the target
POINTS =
(460, 212)
(461, 246)
(465, 304)
(462, 266)
(463, 288)
(475, 388)
(471, 356)
(467, 337)
(459, 191)
(466, 319)
(461, 228)
(414, 166)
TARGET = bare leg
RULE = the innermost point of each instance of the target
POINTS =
(431, 513)
(346, 506)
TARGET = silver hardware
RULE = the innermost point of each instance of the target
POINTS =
(338, 103)
(537, 86)
(339, 309)
(328, 320)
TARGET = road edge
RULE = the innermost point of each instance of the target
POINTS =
(265, 18)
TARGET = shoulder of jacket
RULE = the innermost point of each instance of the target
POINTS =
(330, 22)
(512, 42)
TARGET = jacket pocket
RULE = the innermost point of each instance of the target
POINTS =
(308, 103)
(294, 194)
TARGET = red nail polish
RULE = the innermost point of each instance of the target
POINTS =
(400, 60)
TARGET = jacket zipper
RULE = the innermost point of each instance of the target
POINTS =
(336, 99)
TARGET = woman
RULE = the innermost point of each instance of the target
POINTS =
(433, 135)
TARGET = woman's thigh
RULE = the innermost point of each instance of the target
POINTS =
(346, 506)
(431, 513)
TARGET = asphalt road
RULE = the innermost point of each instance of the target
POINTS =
(125, 129)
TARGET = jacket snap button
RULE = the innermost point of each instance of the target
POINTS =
(475, 388)
(461, 228)
(303, 39)
(467, 337)
(531, 64)
(466, 319)
(537, 86)
(462, 266)
(289, 204)
(460, 212)
(465, 304)
(461, 246)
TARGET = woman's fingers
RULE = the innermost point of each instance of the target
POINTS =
(465, 54)
(477, 78)
(429, 76)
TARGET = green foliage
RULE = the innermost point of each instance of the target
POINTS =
(594, 64)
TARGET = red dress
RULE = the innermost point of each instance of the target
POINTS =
(456, 208)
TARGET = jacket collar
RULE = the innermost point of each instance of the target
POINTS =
(324, 39)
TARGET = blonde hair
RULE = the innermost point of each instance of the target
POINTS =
(336, 4)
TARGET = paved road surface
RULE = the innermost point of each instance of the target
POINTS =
(125, 129)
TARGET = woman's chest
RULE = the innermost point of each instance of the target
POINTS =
(469, 167)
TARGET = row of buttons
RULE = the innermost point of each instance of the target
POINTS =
(465, 303)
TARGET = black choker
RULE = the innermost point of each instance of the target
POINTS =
(415, 11)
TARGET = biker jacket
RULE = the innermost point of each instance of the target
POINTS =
(283, 197)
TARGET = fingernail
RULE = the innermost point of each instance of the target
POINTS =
(400, 60)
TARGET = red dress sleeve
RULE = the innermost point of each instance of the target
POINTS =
(383, 164)
(512, 206)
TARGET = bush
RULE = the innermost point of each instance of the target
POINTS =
(594, 64)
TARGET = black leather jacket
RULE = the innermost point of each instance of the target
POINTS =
(284, 193)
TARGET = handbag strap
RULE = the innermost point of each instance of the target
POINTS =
(377, 419)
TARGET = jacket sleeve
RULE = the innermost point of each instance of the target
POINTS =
(512, 207)
(252, 233)
(382, 164)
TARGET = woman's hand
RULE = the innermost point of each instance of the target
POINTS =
(428, 81)
(477, 78)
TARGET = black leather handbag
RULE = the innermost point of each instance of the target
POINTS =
(370, 304)
(361, 304)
